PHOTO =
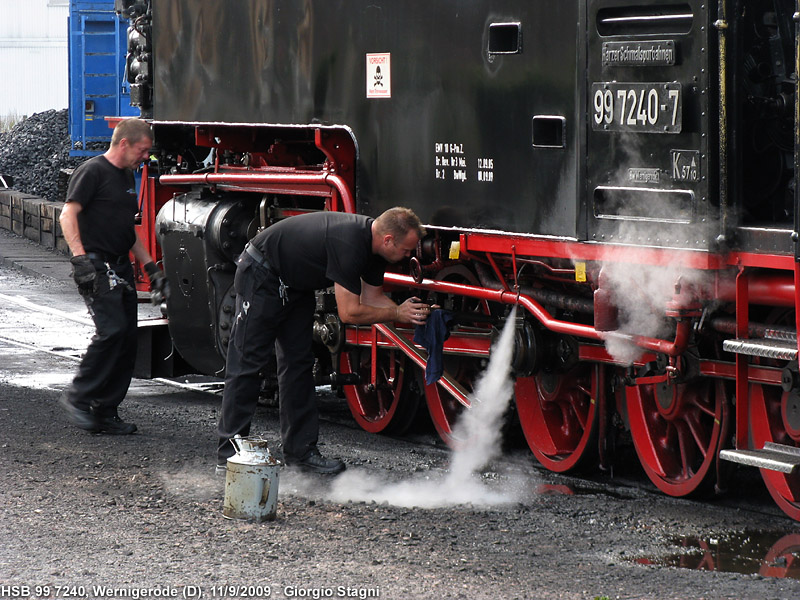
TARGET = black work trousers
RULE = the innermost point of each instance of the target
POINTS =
(106, 369)
(266, 323)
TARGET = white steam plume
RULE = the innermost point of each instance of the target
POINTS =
(641, 292)
(479, 434)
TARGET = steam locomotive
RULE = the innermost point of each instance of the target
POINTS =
(623, 171)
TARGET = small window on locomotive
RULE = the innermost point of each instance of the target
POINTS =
(645, 20)
(505, 38)
(549, 132)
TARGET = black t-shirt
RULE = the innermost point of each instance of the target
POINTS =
(314, 250)
(107, 196)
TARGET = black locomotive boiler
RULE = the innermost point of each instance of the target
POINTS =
(623, 171)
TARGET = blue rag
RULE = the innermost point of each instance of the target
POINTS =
(432, 336)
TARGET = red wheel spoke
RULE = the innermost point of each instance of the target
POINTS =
(577, 409)
(706, 407)
(699, 433)
(685, 447)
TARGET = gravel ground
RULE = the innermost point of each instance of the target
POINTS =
(101, 516)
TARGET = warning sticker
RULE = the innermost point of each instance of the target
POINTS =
(379, 75)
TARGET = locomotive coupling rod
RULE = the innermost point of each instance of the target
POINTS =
(674, 348)
(458, 391)
(243, 180)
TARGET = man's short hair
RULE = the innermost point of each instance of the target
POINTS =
(398, 221)
(133, 130)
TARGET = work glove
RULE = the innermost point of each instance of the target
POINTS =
(84, 274)
(159, 285)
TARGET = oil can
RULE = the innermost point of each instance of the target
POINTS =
(251, 481)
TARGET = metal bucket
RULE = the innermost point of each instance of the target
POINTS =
(251, 481)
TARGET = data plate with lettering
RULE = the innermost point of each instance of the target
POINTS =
(636, 107)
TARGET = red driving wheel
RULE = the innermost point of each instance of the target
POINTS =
(558, 415)
(677, 430)
(388, 406)
(773, 418)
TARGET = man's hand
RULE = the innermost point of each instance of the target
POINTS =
(84, 274)
(414, 310)
(159, 285)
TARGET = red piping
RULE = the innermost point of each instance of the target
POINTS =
(674, 348)
(242, 179)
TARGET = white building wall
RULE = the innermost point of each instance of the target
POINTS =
(34, 72)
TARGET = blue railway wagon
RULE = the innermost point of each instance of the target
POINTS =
(97, 84)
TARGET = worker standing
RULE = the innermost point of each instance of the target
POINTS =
(98, 221)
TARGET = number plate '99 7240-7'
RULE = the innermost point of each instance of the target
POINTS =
(636, 107)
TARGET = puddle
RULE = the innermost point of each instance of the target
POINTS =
(770, 554)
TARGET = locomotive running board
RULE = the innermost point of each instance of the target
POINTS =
(773, 457)
(764, 348)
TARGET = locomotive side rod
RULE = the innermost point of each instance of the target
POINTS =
(417, 356)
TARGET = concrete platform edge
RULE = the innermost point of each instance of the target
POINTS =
(31, 239)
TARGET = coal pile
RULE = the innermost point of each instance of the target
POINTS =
(35, 151)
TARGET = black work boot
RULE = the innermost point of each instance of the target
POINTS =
(113, 425)
(316, 463)
(77, 416)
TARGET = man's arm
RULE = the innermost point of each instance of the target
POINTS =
(69, 225)
(373, 306)
(140, 252)
(159, 286)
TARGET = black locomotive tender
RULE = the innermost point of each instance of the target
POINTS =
(624, 171)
